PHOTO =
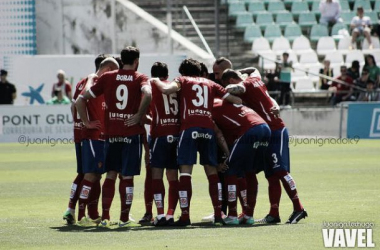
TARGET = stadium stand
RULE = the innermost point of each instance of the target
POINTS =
(276, 7)
(301, 45)
(292, 31)
(272, 31)
(261, 46)
(284, 19)
(299, 7)
(325, 45)
(256, 8)
(264, 20)
(281, 45)
(307, 20)
(318, 31)
(243, 20)
(335, 58)
(251, 33)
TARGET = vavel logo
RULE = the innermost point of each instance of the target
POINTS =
(352, 237)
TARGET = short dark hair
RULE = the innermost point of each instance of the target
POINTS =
(129, 55)
(190, 67)
(118, 60)
(159, 69)
(3, 72)
(99, 59)
(285, 54)
(355, 64)
(204, 70)
(343, 67)
(228, 74)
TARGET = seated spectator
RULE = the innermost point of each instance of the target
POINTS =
(58, 98)
(282, 79)
(363, 80)
(7, 89)
(354, 72)
(327, 71)
(361, 25)
(330, 12)
(370, 95)
(62, 84)
(342, 92)
(374, 71)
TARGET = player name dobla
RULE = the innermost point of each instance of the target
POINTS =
(17, 120)
(128, 78)
(347, 237)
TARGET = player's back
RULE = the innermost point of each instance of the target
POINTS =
(234, 120)
(78, 124)
(165, 113)
(256, 97)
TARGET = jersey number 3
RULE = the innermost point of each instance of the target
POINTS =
(202, 96)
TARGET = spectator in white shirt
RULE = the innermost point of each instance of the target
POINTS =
(361, 25)
(330, 12)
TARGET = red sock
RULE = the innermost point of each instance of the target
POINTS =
(290, 187)
(242, 192)
(75, 191)
(84, 196)
(274, 190)
(158, 189)
(126, 197)
(231, 183)
(173, 197)
(215, 190)
(252, 188)
(185, 192)
(92, 205)
(108, 192)
(148, 193)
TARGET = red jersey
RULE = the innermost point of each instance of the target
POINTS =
(78, 124)
(165, 113)
(256, 97)
(196, 100)
(340, 87)
(234, 120)
(95, 111)
(122, 95)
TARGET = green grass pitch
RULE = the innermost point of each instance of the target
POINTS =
(335, 183)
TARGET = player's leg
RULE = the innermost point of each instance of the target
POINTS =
(172, 177)
(69, 215)
(158, 189)
(93, 203)
(367, 35)
(242, 193)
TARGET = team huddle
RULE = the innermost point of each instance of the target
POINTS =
(230, 121)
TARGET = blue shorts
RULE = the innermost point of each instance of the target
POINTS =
(163, 152)
(193, 140)
(123, 155)
(245, 150)
(278, 152)
(93, 156)
(78, 153)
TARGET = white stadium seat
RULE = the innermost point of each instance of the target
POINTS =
(309, 59)
(375, 44)
(344, 44)
(299, 72)
(301, 45)
(335, 58)
(325, 45)
(304, 84)
(354, 55)
(261, 46)
(267, 63)
(281, 45)
(313, 73)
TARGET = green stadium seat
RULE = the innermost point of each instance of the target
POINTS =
(307, 20)
(292, 31)
(243, 20)
(234, 1)
(276, 7)
(269, 1)
(310, 2)
(345, 6)
(264, 19)
(364, 3)
(318, 31)
(335, 30)
(315, 9)
(299, 7)
(373, 16)
(256, 8)
(272, 31)
(376, 8)
(251, 33)
(284, 19)
(347, 17)
(236, 8)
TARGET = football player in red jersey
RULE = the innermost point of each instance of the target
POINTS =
(127, 95)
(255, 95)
(196, 97)
(69, 215)
(93, 150)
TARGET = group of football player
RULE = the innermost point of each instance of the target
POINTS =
(226, 117)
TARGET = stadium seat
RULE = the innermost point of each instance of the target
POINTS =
(345, 6)
(301, 45)
(243, 20)
(264, 20)
(373, 16)
(276, 7)
(261, 46)
(284, 19)
(335, 30)
(375, 43)
(309, 59)
(336, 70)
(272, 31)
(268, 63)
(307, 19)
(251, 33)
(335, 58)
(289, 2)
(299, 7)
(364, 3)
(313, 73)
(305, 84)
(293, 57)
(317, 31)
(281, 45)
(325, 45)
(315, 9)
(344, 44)
(292, 31)
(236, 8)
(376, 8)
(376, 54)
(299, 72)
(256, 8)
(354, 55)
(347, 17)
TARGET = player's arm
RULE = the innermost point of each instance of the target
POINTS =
(166, 89)
(223, 146)
(236, 89)
(275, 110)
(144, 104)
